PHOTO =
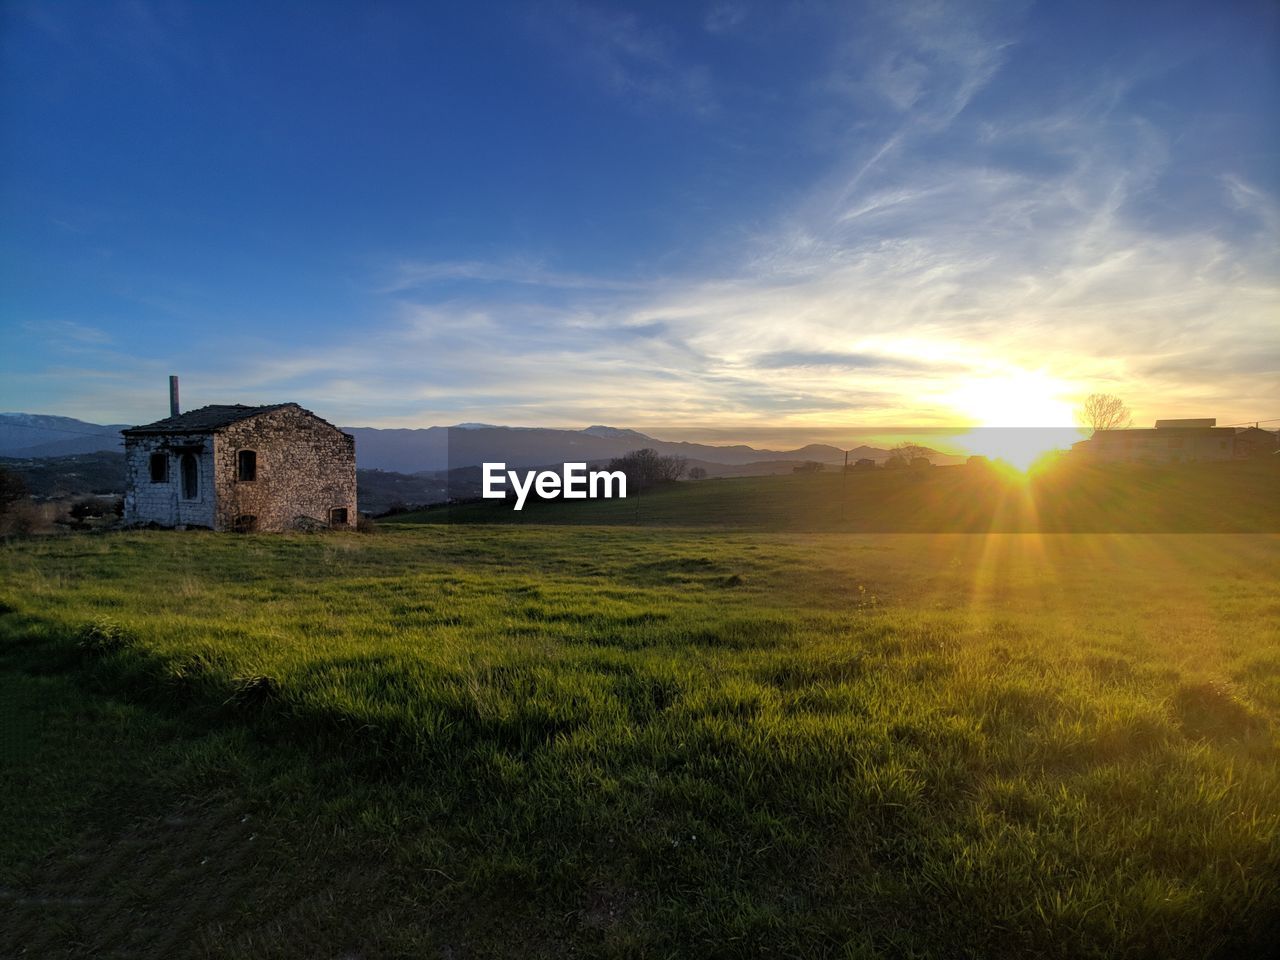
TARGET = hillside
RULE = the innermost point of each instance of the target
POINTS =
(1231, 496)
(378, 491)
(27, 435)
(56, 477)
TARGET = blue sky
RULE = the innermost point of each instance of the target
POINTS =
(726, 220)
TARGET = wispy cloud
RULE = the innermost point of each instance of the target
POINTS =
(1254, 203)
(947, 269)
(725, 16)
(927, 64)
(629, 58)
(66, 332)
(146, 36)
(409, 274)
(948, 272)
(802, 359)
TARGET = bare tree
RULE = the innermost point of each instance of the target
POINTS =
(697, 473)
(673, 467)
(908, 455)
(1105, 411)
(647, 467)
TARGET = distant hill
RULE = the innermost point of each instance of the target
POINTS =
(615, 433)
(432, 449)
(378, 491)
(440, 448)
(47, 478)
(102, 473)
(40, 435)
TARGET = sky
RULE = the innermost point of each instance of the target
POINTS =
(726, 220)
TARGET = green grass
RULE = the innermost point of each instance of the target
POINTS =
(1069, 497)
(452, 740)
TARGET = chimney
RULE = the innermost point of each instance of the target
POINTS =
(173, 397)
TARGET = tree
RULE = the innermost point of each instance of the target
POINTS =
(697, 473)
(673, 467)
(18, 515)
(12, 488)
(1105, 411)
(647, 467)
(909, 455)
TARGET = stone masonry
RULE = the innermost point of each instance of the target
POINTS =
(268, 468)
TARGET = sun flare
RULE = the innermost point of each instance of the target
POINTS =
(1019, 417)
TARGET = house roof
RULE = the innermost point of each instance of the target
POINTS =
(1163, 433)
(208, 419)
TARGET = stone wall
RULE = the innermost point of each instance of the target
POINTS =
(163, 503)
(305, 469)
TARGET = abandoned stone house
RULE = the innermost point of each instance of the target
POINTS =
(241, 468)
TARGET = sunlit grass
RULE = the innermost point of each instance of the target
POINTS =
(1058, 495)
(516, 740)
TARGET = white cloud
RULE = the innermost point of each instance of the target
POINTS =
(913, 266)
(948, 273)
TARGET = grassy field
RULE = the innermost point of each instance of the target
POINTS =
(468, 741)
(1070, 497)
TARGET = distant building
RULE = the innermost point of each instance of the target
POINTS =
(236, 467)
(1255, 442)
(864, 463)
(1170, 441)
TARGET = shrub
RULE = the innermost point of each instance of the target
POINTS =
(255, 691)
(102, 637)
(26, 518)
(88, 507)
(13, 489)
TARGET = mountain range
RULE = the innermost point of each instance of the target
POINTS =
(431, 449)
(32, 435)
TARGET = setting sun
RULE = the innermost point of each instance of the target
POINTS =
(1019, 416)
(1021, 399)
